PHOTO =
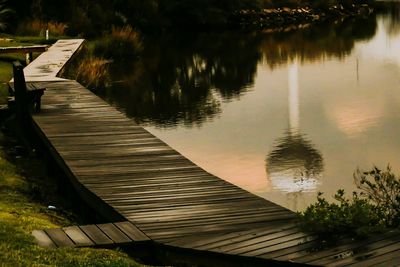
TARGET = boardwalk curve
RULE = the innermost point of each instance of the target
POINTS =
(127, 174)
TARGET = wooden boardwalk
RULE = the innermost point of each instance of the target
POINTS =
(127, 174)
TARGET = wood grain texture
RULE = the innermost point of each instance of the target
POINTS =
(42, 239)
(78, 236)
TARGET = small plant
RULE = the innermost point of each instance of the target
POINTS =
(374, 209)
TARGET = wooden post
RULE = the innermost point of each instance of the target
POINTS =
(29, 57)
(21, 95)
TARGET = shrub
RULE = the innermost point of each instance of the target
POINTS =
(355, 216)
(375, 208)
(382, 188)
(122, 44)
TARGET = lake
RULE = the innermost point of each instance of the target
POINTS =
(281, 114)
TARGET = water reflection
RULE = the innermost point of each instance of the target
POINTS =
(393, 23)
(294, 165)
(184, 79)
(283, 115)
(316, 43)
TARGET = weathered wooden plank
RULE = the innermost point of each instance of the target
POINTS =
(391, 259)
(372, 253)
(210, 243)
(96, 235)
(114, 233)
(78, 236)
(131, 231)
(290, 252)
(59, 237)
(338, 251)
(252, 243)
(281, 244)
(42, 239)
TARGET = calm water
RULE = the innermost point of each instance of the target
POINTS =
(283, 115)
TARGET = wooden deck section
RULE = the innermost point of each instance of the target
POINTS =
(127, 174)
(23, 49)
(108, 234)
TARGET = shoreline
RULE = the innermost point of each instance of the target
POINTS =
(275, 19)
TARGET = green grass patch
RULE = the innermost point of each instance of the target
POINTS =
(5, 76)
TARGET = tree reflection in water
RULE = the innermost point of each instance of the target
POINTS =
(182, 80)
(392, 23)
(294, 165)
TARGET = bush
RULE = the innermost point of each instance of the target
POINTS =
(382, 188)
(374, 209)
(122, 44)
(355, 216)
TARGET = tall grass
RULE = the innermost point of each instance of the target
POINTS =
(93, 72)
(36, 27)
(122, 44)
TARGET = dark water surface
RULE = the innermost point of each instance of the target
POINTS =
(283, 115)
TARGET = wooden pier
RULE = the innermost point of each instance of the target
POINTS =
(28, 50)
(127, 174)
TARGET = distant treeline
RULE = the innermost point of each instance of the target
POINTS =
(92, 17)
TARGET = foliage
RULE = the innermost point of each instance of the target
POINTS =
(375, 208)
(93, 72)
(94, 64)
(122, 44)
(36, 27)
(93, 18)
(202, 13)
(5, 14)
(383, 189)
(355, 216)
